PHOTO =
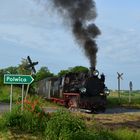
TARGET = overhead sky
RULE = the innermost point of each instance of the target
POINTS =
(27, 27)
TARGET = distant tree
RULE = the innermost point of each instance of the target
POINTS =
(22, 68)
(9, 70)
(1, 76)
(43, 73)
(78, 69)
(63, 72)
(73, 69)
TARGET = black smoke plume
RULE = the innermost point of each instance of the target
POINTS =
(81, 14)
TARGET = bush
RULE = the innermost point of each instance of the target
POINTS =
(63, 125)
(2, 123)
(84, 135)
(31, 119)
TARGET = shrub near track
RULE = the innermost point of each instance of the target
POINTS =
(62, 125)
(31, 119)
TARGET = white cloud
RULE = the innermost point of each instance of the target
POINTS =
(120, 45)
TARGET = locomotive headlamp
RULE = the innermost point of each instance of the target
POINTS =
(83, 90)
(95, 72)
(106, 91)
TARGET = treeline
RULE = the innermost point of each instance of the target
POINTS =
(42, 73)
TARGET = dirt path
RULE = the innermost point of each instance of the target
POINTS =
(119, 120)
(114, 118)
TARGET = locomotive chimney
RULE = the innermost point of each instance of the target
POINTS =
(92, 69)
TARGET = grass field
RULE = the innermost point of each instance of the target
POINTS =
(113, 100)
(5, 93)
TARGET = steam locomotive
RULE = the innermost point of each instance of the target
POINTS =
(84, 90)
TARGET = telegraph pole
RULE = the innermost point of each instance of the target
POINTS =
(119, 85)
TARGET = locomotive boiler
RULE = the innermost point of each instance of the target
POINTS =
(84, 90)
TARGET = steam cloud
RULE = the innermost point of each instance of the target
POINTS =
(81, 14)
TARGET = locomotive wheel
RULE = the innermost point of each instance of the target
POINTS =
(99, 109)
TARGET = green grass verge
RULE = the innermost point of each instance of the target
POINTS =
(113, 100)
(5, 93)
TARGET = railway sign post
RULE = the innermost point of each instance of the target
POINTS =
(31, 66)
(130, 90)
(119, 84)
(17, 79)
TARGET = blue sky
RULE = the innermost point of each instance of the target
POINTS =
(29, 28)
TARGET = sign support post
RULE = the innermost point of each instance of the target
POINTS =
(129, 96)
(130, 91)
(27, 91)
(27, 88)
(22, 97)
(11, 94)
